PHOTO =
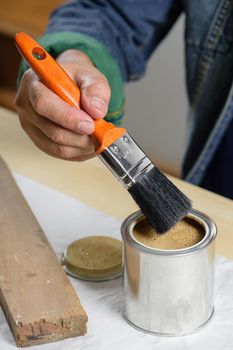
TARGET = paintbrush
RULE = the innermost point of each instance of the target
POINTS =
(160, 200)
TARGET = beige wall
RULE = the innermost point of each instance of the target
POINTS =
(156, 106)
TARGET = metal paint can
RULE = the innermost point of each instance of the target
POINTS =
(168, 292)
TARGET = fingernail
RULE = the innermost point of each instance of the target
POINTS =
(86, 127)
(98, 103)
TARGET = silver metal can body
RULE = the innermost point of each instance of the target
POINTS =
(168, 292)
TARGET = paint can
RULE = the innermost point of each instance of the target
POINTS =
(168, 292)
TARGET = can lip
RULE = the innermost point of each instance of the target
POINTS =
(203, 219)
(93, 258)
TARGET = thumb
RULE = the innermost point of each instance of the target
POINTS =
(95, 90)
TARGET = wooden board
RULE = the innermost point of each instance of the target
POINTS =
(37, 298)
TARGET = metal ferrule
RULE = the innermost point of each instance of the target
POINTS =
(126, 160)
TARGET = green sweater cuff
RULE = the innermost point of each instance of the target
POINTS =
(56, 43)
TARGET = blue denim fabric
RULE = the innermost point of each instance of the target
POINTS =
(132, 29)
(209, 62)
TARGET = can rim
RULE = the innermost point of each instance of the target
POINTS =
(208, 224)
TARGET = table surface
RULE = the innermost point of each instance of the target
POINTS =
(94, 185)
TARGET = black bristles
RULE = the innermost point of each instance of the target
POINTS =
(160, 200)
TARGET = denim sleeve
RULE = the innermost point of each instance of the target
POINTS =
(129, 29)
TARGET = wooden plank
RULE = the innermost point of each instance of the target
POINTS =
(37, 298)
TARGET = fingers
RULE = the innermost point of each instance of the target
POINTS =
(61, 135)
(95, 94)
(55, 127)
(49, 105)
(49, 136)
(62, 151)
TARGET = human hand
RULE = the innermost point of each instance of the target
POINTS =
(55, 127)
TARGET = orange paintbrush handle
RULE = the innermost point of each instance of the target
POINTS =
(57, 80)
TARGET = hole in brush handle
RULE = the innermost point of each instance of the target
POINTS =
(38, 53)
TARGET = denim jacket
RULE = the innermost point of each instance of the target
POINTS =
(120, 35)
